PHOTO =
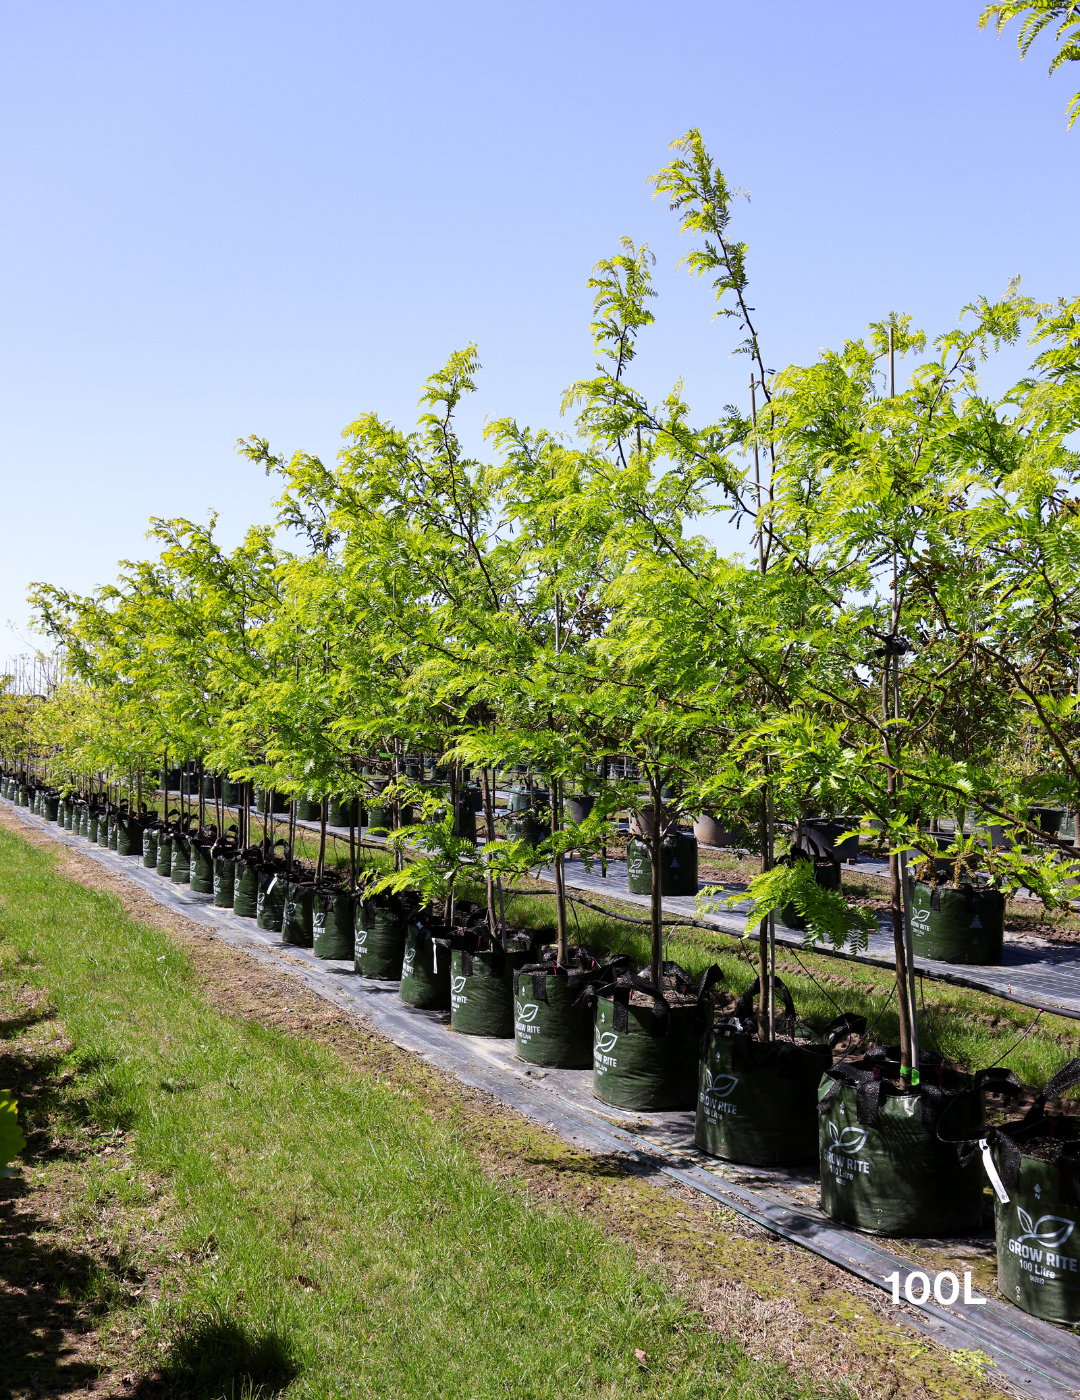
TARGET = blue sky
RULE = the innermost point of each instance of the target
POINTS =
(267, 218)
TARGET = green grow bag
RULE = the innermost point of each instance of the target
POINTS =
(24, 796)
(332, 924)
(231, 793)
(114, 831)
(529, 826)
(180, 870)
(965, 925)
(378, 816)
(1038, 1241)
(678, 865)
(425, 971)
(270, 904)
(883, 1166)
(105, 822)
(202, 868)
(51, 807)
(337, 812)
(642, 1060)
(246, 889)
(381, 931)
(224, 880)
(71, 811)
(128, 836)
(549, 1028)
(149, 847)
(298, 917)
(757, 1101)
(307, 810)
(164, 853)
(92, 822)
(1038, 1226)
(482, 988)
(279, 807)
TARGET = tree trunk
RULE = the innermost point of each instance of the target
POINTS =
(489, 822)
(655, 907)
(321, 865)
(560, 873)
(765, 1026)
(896, 899)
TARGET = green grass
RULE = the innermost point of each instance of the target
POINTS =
(335, 1237)
(971, 1029)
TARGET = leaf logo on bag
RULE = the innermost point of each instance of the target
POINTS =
(850, 1139)
(1043, 1231)
(720, 1087)
(407, 963)
(458, 984)
(606, 1042)
(527, 1013)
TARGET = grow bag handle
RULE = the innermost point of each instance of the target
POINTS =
(843, 1026)
(744, 1007)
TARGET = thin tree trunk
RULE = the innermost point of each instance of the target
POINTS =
(765, 1026)
(560, 873)
(489, 823)
(896, 904)
(655, 906)
(321, 865)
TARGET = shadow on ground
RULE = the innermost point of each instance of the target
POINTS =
(216, 1357)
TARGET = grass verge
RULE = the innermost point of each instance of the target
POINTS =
(259, 1216)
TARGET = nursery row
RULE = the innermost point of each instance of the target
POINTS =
(900, 642)
(812, 1091)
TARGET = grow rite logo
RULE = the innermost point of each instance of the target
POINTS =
(361, 939)
(525, 1014)
(717, 1089)
(840, 1156)
(603, 1045)
(1041, 1258)
(407, 962)
(457, 992)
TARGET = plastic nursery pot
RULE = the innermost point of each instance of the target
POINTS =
(828, 830)
(757, 1100)
(149, 846)
(202, 867)
(645, 1044)
(884, 1166)
(710, 832)
(957, 925)
(580, 806)
(164, 852)
(210, 786)
(246, 888)
(678, 864)
(1048, 819)
(128, 835)
(224, 879)
(482, 986)
(1038, 1223)
(553, 1022)
(332, 923)
(180, 870)
(425, 970)
(381, 931)
(297, 919)
(270, 901)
